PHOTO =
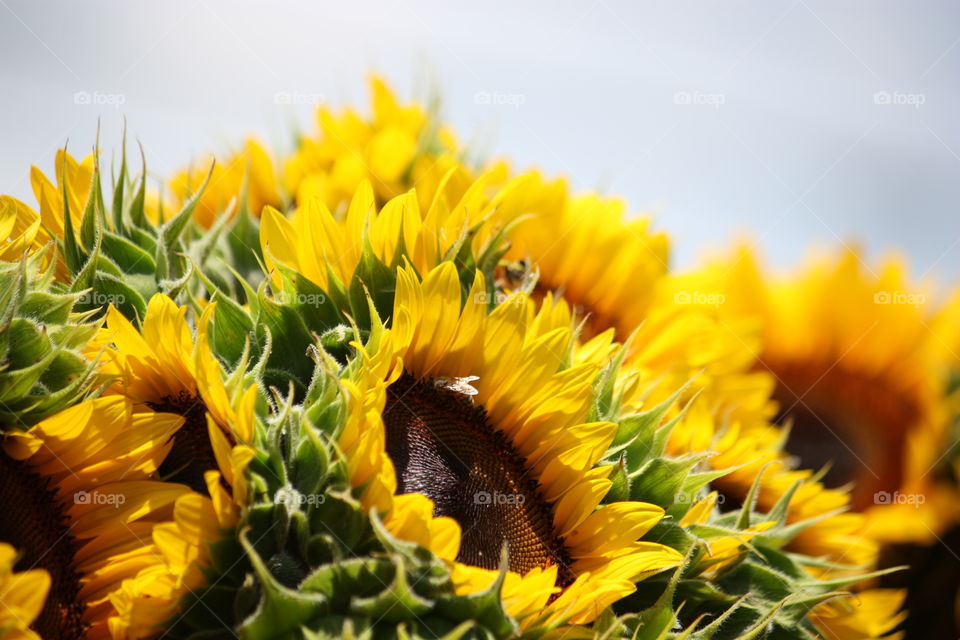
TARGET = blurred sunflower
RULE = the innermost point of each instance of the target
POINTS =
(863, 368)
(873, 613)
(398, 147)
(467, 432)
(247, 177)
(862, 375)
(80, 503)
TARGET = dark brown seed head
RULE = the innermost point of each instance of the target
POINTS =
(444, 447)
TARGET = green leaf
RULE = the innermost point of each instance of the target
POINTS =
(620, 489)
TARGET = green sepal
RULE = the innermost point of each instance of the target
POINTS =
(281, 610)
(169, 234)
(373, 279)
(661, 480)
(384, 605)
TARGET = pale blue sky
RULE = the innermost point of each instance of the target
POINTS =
(803, 123)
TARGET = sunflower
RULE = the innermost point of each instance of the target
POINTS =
(120, 241)
(861, 378)
(246, 176)
(80, 504)
(164, 367)
(318, 244)
(26, 231)
(467, 433)
(612, 274)
(398, 147)
(679, 330)
(584, 240)
(863, 369)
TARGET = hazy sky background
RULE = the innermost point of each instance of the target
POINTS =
(804, 123)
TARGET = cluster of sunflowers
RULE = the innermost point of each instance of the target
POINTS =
(373, 390)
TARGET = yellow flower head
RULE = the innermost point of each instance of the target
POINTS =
(24, 230)
(605, 266)
(165, 367)
(248, 172)
(319, 244)
(81, 503)
(861, 366)
(397, 148)
(466, 432)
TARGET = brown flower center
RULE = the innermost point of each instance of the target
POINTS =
(192, 453)
(857, 423)
(36, 524)
(443, 447)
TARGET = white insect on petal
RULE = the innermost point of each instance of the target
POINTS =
(460, 385)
